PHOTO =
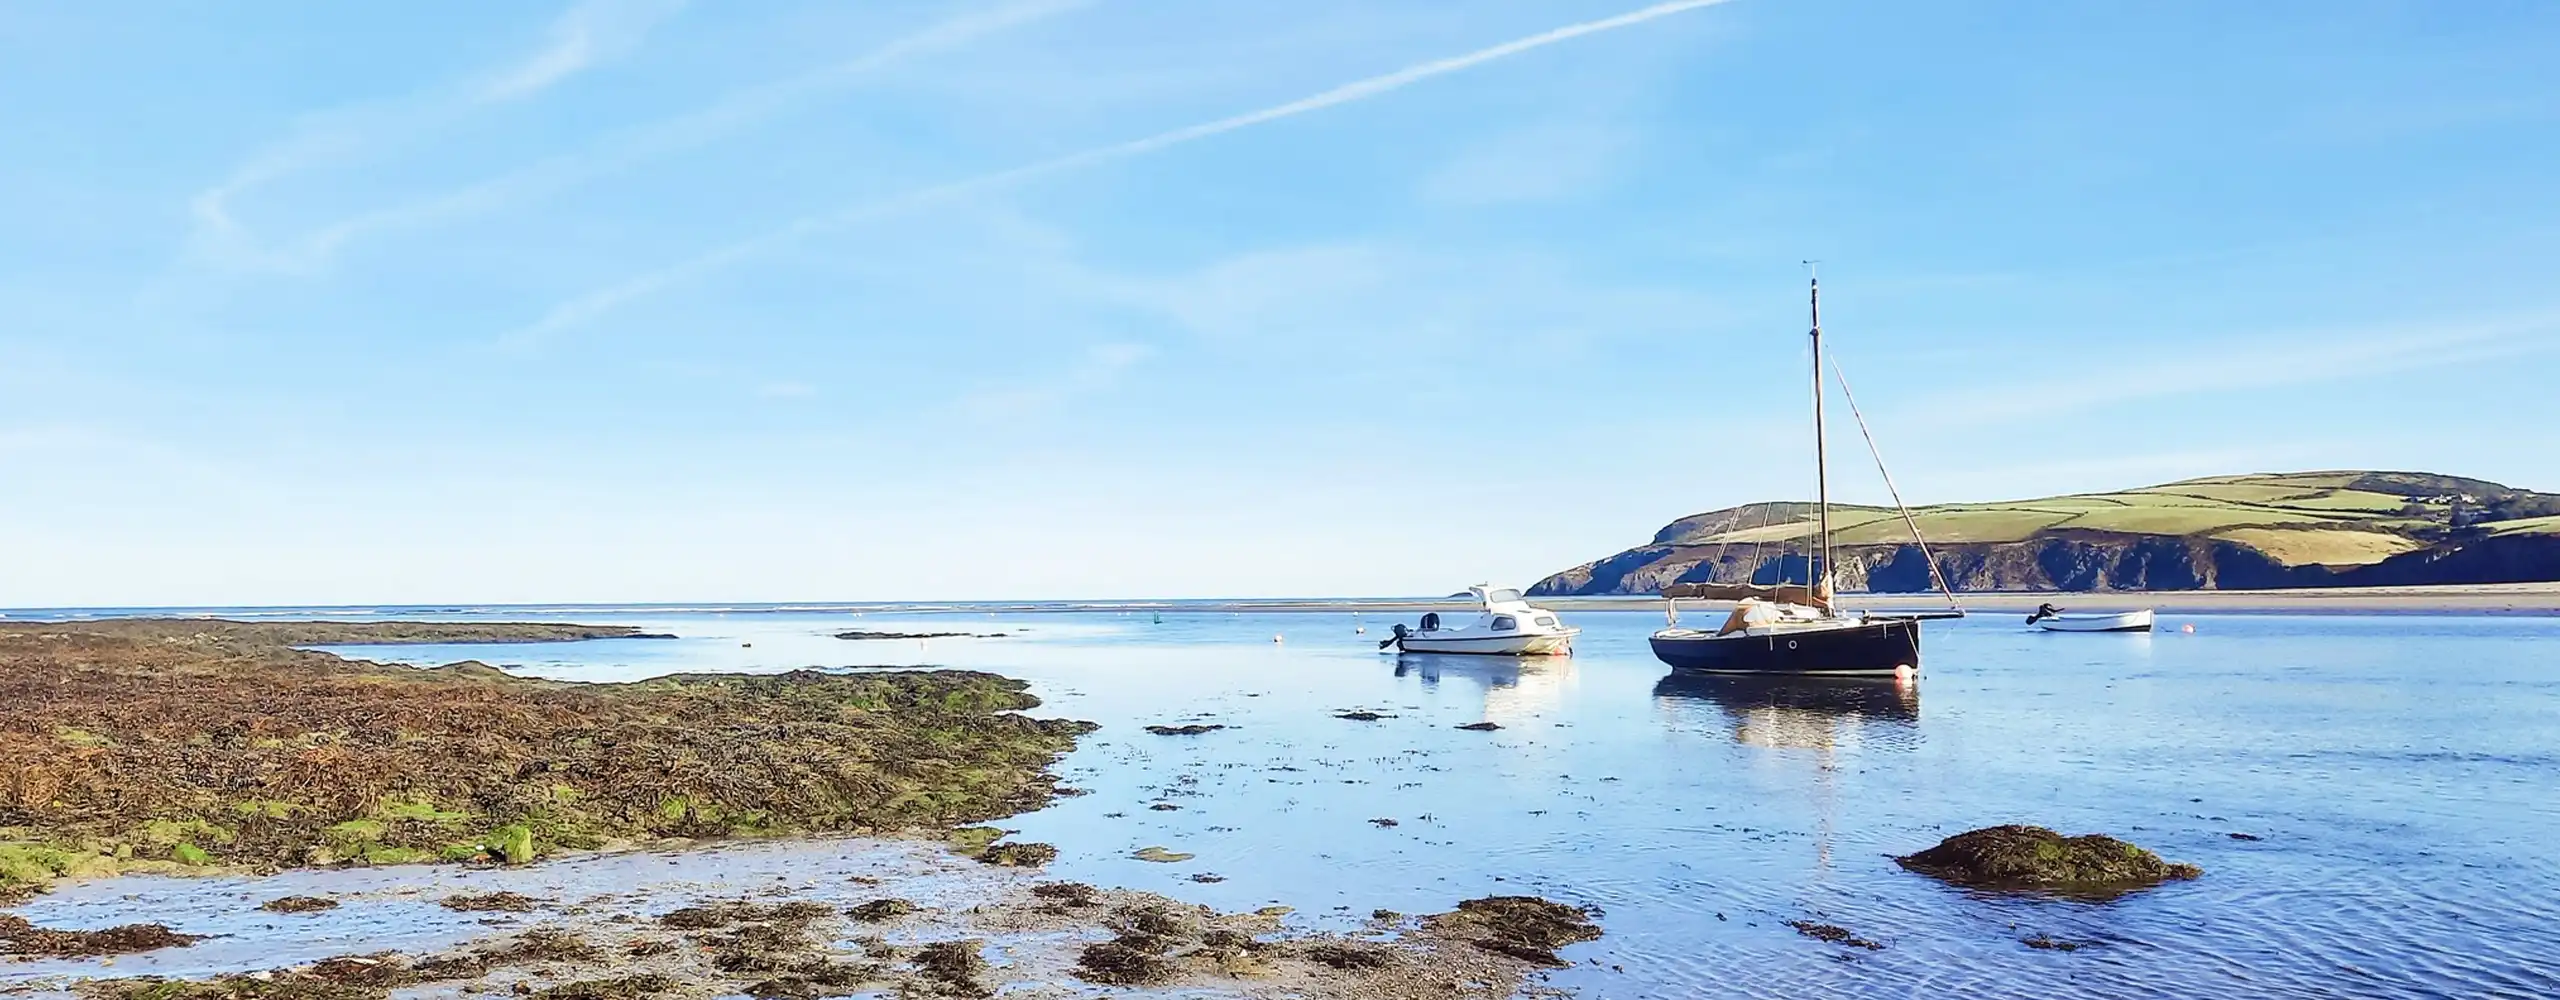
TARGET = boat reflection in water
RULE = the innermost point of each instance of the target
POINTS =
(1818, 713)
(1515, 690)
(1830, 716)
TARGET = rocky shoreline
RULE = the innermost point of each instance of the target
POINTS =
(784, 920)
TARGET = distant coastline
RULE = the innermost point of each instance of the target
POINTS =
(2258, 532)
(2485, 598)
(2481, 599)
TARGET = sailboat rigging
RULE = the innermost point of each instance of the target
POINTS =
(1787, 629)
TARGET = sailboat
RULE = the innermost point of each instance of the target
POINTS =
(1798, 629)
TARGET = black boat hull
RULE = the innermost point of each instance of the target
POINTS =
(1876, 647)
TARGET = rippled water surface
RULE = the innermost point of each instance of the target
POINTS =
(2396, 772)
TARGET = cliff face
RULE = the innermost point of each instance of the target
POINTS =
(2226, 533)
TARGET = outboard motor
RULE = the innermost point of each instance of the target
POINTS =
(1393, 639)
(2043, 611)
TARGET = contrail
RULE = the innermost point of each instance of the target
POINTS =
(587, 307)
(659, 138)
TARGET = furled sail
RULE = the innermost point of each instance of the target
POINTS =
(1785, 593)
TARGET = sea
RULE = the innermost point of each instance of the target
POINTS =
(2374, 799)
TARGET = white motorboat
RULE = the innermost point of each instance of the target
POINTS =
(1506, 626)
(2053, 619)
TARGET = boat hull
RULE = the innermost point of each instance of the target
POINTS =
(1869, 648)
(2130, 621)
(1490, 645)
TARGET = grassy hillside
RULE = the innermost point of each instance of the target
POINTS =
(2229, 532)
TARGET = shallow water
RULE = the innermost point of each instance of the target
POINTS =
(2398, 770)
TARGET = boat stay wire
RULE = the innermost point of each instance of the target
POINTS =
(1935, 576)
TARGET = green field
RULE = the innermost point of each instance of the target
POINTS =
(2547, 525)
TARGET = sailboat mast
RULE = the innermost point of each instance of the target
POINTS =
(1821, 454)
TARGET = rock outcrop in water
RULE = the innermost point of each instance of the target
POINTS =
(2316, 529)
(2032, 857)
(1523, 927)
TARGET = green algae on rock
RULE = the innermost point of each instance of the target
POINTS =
(1019, 855)
(2032, 857)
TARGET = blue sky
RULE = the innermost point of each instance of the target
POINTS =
(642, 300)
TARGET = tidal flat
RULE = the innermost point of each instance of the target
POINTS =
(2368, 821)
(158, 749)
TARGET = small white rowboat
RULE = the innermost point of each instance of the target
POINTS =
(2064, 621)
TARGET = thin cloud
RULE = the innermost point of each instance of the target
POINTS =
(671, 135)
(586, 308)
(583, 37)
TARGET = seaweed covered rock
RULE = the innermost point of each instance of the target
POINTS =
(954, 968)
(18, 937)
(1064, 895)
(616, 988)
(878, 910)
(1524, 927)
(1114, 963)
(1149, 936)
(489, 902)
(1833, 933)
(1348, 955)
(2032, 857)
(1019, 855)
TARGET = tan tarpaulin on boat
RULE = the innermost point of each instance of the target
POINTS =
(1747, 614)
